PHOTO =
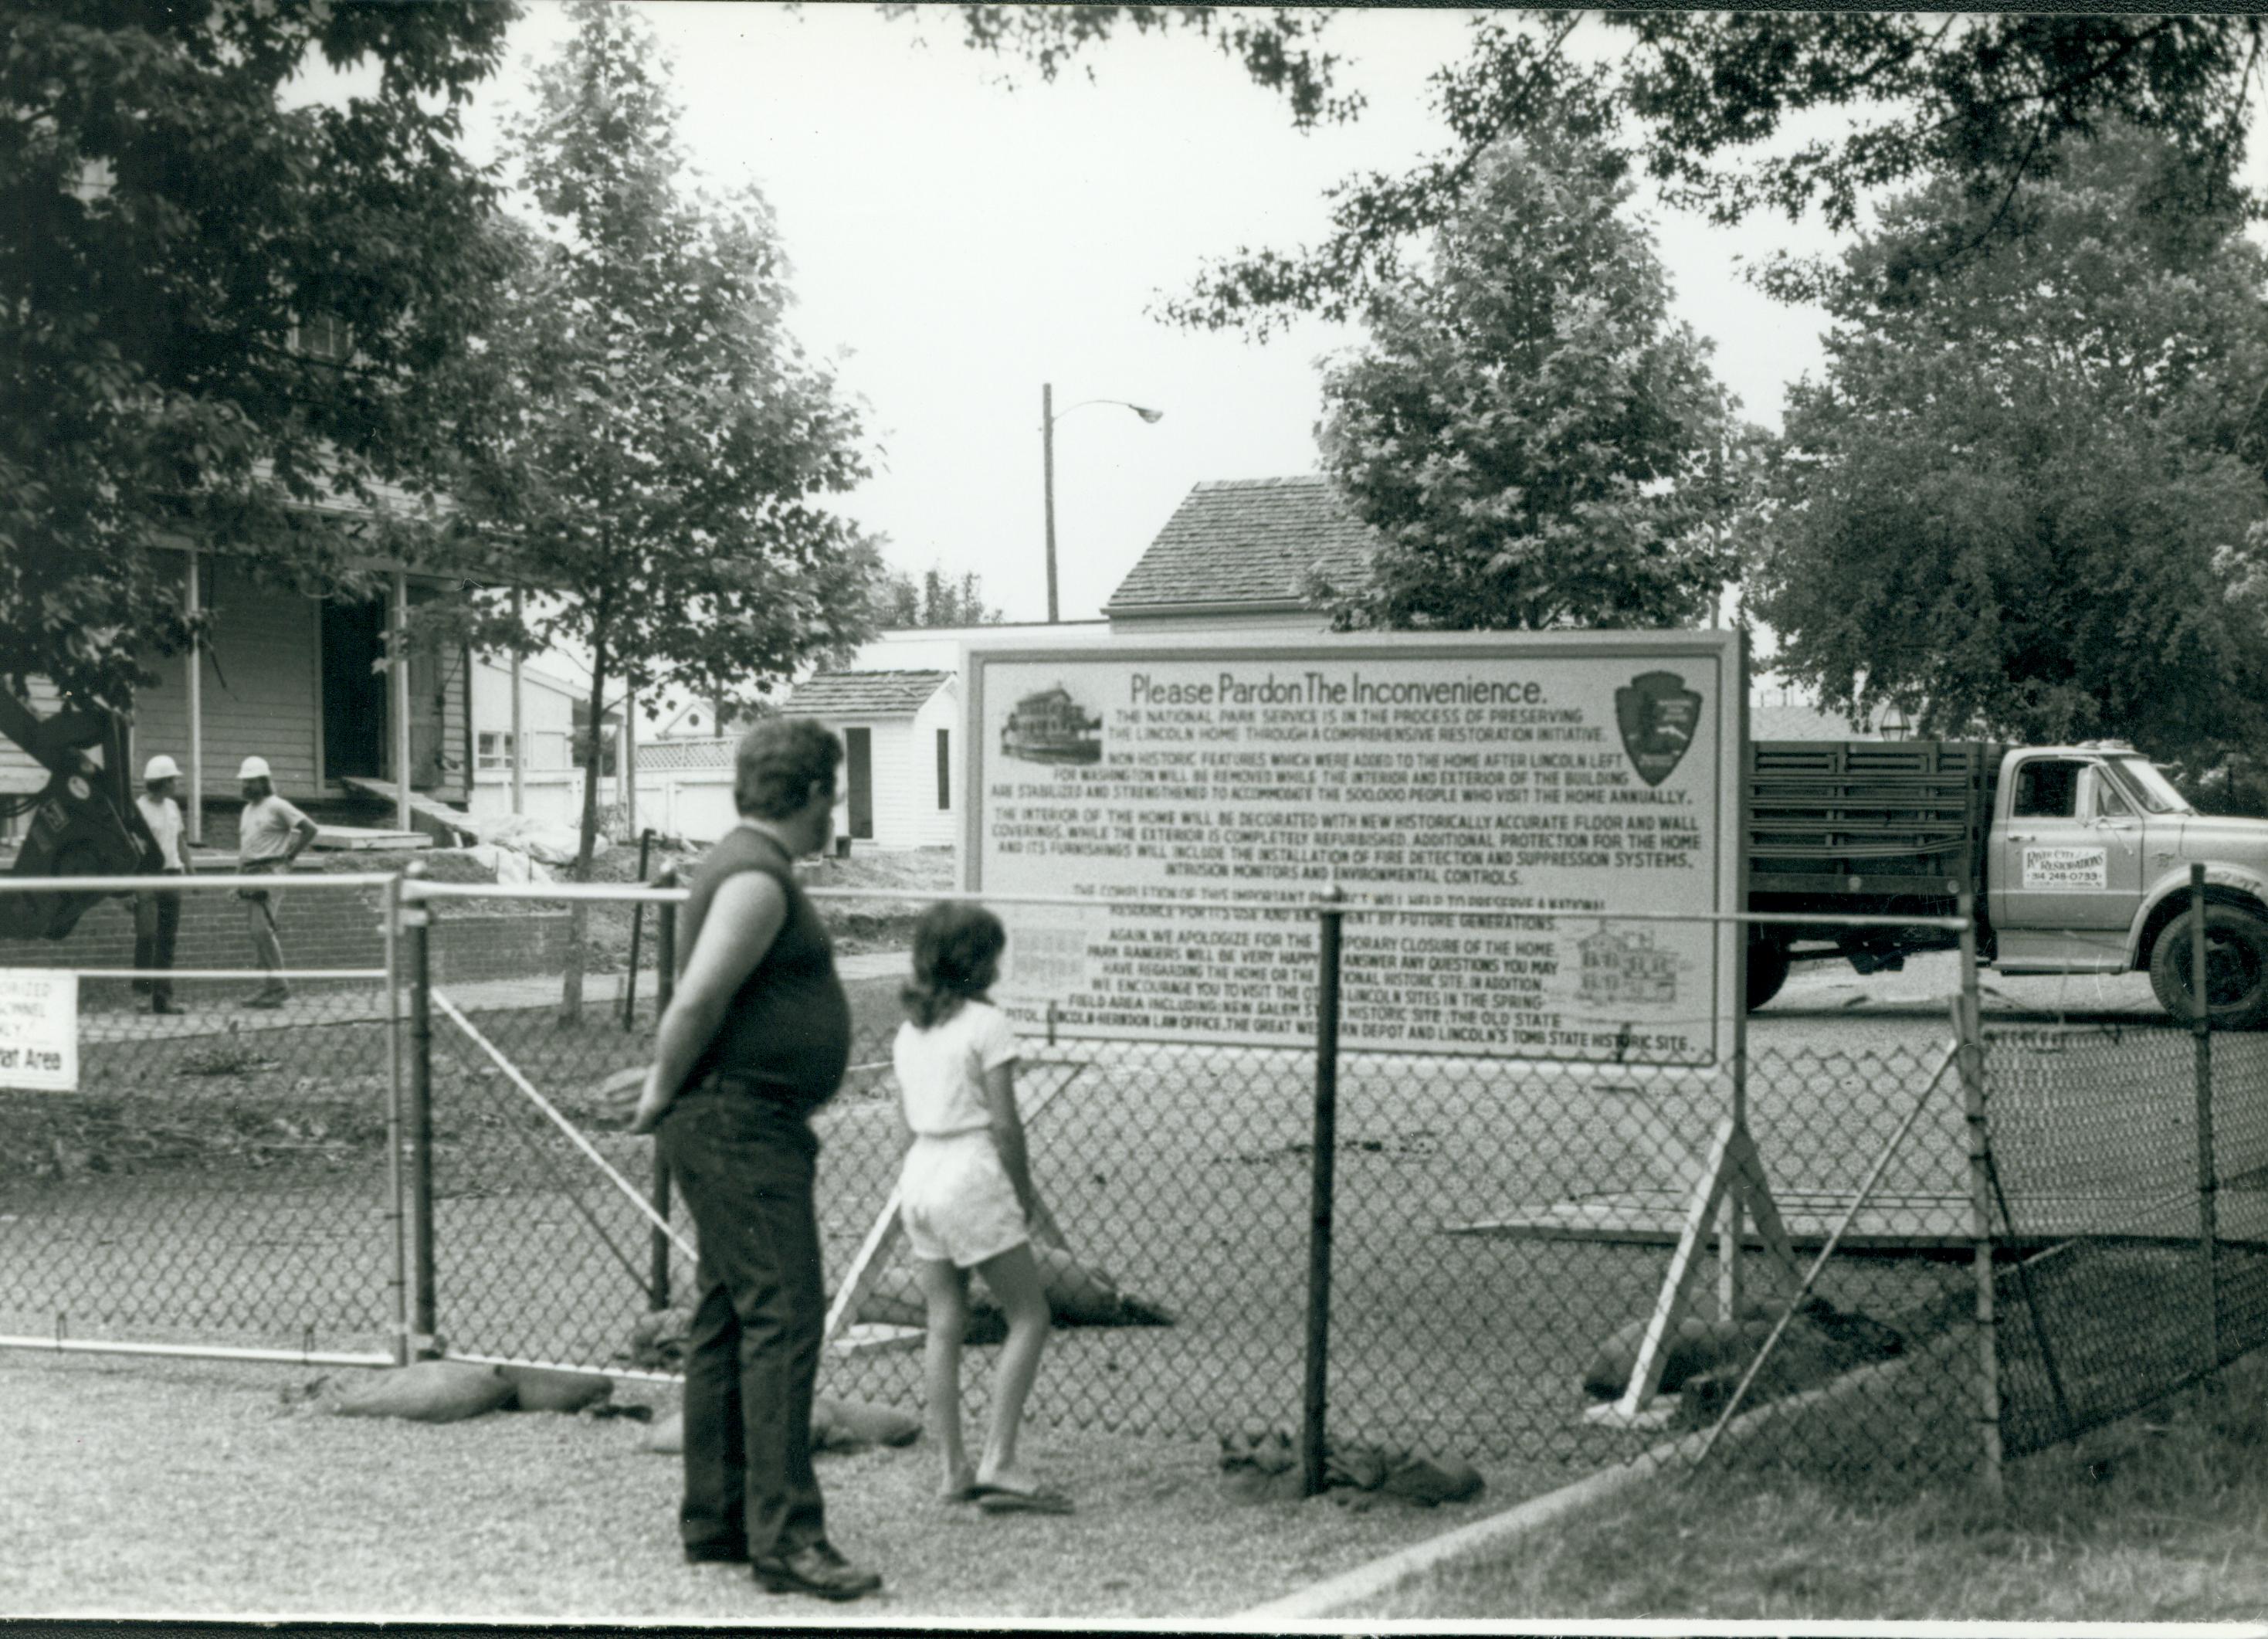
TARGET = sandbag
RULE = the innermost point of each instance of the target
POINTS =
(1427, 1479)
(861, 1423)
(1078, 1294)
(1697, 1346)
(537, 1389)
(430, 1390)
(836, 1425)
(1262, 1465)
(1820, 1342)
(895, 1299)
(658, 1340)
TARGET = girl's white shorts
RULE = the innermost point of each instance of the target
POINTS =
(956, 1202)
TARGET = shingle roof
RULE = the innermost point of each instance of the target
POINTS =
(863, 693)
(1247, 541)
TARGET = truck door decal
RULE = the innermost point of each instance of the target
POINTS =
(2066, 868)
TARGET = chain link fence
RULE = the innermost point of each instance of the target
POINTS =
(218, 1181)
(1501, 1230)
(2131, 1167)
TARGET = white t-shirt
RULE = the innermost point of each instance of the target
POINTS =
(941, 1070)
(163, 816)
(263, 832)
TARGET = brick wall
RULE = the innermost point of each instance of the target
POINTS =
(320, 927)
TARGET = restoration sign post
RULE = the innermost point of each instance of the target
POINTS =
(1197, 790)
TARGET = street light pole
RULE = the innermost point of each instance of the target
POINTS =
(1048, 478)
(1048, 419)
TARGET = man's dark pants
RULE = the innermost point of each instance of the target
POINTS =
(156, 923)
(745, 1165)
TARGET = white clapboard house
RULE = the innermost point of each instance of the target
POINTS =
(901, 759)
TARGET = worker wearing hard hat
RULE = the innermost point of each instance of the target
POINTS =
(271, 834)
(158, 916)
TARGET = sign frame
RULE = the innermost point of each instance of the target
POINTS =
(1718, 658)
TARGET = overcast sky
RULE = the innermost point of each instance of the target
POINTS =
(957, 241)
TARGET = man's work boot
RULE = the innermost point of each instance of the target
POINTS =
(817, 1570)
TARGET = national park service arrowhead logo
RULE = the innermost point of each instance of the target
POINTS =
(1659, 717)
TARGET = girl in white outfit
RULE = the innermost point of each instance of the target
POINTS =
(965, 1195)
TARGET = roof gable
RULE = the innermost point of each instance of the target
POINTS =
(1249, 541)
(863, 693)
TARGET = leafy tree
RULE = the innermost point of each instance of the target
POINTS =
(1708, 100)
(1531, 435)
(1278, 49)
(656, 447)
(938, 600)
(2021, 499)
(172, 229)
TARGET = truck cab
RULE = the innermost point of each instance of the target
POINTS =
(2089, 871)
(2078, 858)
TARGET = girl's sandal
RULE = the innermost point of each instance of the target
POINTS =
(1047, 1500)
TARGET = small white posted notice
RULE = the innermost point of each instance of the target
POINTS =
(38, 1029)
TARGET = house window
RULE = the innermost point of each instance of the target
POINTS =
(944, 769)
(495, 750)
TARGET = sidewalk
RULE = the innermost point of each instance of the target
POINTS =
(222, 1010)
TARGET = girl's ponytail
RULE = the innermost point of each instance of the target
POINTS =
(956, 946)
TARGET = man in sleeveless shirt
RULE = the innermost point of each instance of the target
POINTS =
(754, 1039)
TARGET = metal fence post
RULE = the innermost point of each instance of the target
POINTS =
(665, 986)
(423, 1332)
(1329, 919)
(2208, 1184)
(398, 1284)
(637, 926)
(1980, 1195)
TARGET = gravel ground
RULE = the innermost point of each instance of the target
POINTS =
(157, 1488)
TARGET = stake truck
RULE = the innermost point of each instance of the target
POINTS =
(2078, 858)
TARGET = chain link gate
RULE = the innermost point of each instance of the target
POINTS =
(218, 1182)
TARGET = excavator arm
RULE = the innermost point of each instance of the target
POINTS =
(84, 823)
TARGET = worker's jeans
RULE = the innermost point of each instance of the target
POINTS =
(267, 946)
(744, 1165)
(156, 920)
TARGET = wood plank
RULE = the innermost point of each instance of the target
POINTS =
(1653, 1355)
(350, 839)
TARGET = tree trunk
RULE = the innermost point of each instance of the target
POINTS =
(579, 914)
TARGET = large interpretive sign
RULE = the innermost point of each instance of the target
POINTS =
(1192, 793)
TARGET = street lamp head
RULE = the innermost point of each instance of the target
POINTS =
(1152, 416)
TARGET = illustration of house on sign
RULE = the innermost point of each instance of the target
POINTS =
(1624, 968)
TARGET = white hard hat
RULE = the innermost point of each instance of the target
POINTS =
(161, 767)
(255, 768)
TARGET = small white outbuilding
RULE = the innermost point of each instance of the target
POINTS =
(901, 765)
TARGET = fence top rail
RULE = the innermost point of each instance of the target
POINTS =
(415, 891)
(627, 893)
(194, 882)
(217, 973)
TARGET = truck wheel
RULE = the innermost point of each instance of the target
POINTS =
(2235, 968)
(1768, 966)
